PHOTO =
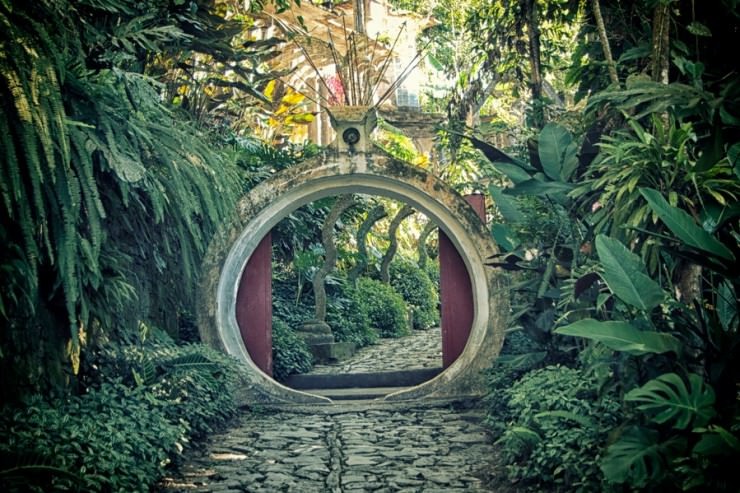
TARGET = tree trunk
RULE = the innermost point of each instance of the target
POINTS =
(375, 215)
(422, 245)
(330, 257)
(535, 63)
(405, 212)
(601, 28)
(660, 43)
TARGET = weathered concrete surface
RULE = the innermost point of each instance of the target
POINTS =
(343, 450)
(333, 174)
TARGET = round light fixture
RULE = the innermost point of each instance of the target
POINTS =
(351, 136)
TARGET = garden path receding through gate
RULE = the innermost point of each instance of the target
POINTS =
(335, 173)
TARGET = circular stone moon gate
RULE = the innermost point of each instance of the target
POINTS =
(340, 173)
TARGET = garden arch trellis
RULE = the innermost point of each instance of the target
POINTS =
(338, 173)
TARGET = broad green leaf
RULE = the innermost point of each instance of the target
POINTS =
(503, 237)
(522, 361)
(683, 226)
(626, 276)
(698, 29)
(538, 187)
(727, 305)
(513, 172)
(716, 441)
(570, 161)
(733, 154)
(525, 434)
(637, 457)
(667, 399)
(622, 336)
(506, 206)
(553, 142)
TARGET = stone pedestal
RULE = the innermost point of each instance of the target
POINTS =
(316, 332)
(321, 343)
(332, 352)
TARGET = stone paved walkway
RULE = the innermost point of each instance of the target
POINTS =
(421, 349)
(343, 450)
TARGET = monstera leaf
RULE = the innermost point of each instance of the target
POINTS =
(638, 457)
(667, 399)
(626, 276)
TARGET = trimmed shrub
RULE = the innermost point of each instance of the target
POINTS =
(418, 291)
(348, 317)
(290, 353)
(385, 307)
(432, 269)
(121, 434)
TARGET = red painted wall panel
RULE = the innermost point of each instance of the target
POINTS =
(456, 292)
(254, 305)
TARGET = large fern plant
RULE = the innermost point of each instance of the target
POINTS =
(106, 193)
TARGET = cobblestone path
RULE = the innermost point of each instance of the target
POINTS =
(343, 450)
(421, 349)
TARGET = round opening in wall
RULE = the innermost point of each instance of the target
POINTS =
(263, 207)
(351, 136)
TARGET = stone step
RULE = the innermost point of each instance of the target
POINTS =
(354, 394)
(403, 378)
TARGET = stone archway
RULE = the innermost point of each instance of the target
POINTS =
(333, 174)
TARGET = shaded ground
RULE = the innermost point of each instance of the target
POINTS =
(351, 446)
(338, 449)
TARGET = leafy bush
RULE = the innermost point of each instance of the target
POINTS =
(559, 430)
(290, 353)
(121, 434)
(418, 290)
(520, 354)
(348, 318)
(432, 270)
(385, 307)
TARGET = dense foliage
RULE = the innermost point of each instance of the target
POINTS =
(147, 403)
(290, 353)
(418, 291)
(348, 317)
(620, 229)
(124, 143)
(105, 188)
(385, 307)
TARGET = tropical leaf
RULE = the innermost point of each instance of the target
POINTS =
(638, 458)
(522, 361)
(506, 206)
(512, 171)
(716, 440)
(622, 336)
(626, 276)
(554, 149)
(727, 305)
(667, 399)
(503, 236)
(538, 187)
(683, 226)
